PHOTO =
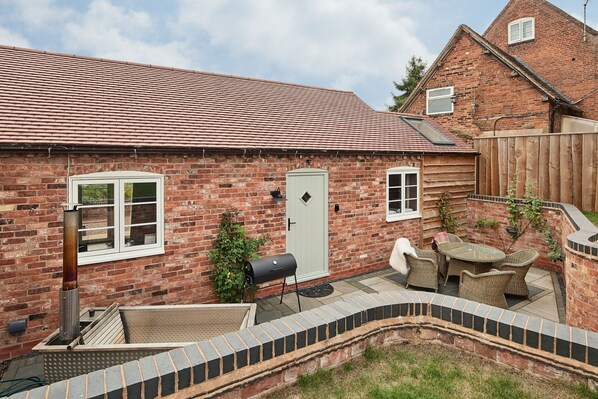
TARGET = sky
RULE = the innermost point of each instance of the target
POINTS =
(356, 45)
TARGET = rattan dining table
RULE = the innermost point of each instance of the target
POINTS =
(476, 258)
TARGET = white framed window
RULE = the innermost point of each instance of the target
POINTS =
(522, 30)
(440, 100)
(121, 215)
(402, 193)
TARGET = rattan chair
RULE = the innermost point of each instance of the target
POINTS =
(488, 288)
(442, 259)
(423, 270)
(519, 262)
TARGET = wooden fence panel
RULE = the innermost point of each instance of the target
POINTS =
(560, 167)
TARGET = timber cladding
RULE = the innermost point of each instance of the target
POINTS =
(559, 167)
(197, 190)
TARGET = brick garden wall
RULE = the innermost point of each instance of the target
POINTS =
(197, 190)
(481, 79)
(558, 53)
(267, 357)
(574, 231)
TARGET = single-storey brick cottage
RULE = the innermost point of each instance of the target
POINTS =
(532, 71)
(156, 155)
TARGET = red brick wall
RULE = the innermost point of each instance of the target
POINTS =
(481, 79)
(499, 238)
(196, 191)
(558, 52)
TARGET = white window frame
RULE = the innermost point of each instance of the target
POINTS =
(449, 96)
(120, 250)
(404, 215)
(519, 23)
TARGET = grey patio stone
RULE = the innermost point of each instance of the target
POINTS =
(167, 373)
(150, 376)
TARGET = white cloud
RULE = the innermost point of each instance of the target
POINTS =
(40, 14)
(9, 38)
(109, 31)
(346, 42)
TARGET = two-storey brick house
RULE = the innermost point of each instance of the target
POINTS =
(533, 70)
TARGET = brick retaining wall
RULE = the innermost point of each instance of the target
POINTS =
(578, 238)
(270, 355)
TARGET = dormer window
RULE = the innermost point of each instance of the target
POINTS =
(522, 30)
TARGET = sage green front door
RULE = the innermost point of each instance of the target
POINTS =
(307, 222)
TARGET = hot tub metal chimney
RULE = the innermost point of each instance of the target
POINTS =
(69, 293)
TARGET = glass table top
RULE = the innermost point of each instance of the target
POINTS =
(471, 252)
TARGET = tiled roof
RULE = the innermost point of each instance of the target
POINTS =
(49, 99)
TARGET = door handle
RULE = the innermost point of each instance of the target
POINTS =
(289, 223)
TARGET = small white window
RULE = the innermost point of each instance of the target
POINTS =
(402, 193)
(440, 100)
(522, 30)
(121, 215)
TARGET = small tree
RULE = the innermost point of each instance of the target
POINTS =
(415, 70)
(229, 253)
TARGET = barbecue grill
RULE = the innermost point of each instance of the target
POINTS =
(272, 268)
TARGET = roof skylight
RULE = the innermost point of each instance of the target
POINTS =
(429, 132)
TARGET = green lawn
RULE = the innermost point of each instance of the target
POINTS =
(427, 372)
(592, 216)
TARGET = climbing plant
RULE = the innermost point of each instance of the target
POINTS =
(229, 253)
(448, 220)
(526, 214)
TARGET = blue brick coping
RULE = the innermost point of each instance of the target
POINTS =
(569, 348)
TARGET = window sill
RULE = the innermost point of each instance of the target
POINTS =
(441, 113)
(521, 41)
(403, 217)
(89, 260)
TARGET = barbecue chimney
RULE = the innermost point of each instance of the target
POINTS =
(69, 292)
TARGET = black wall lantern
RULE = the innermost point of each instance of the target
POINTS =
(276, 194)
